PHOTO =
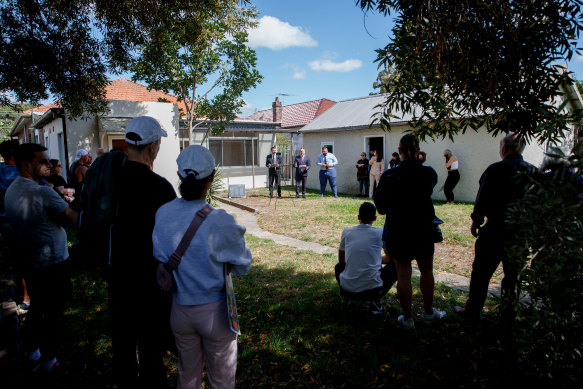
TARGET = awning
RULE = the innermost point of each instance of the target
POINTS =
(113, 125)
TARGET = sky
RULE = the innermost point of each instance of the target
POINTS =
(308, 50)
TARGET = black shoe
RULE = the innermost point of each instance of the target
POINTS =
(297, 196)
(270, 196)
(303, 196)
(279, 197)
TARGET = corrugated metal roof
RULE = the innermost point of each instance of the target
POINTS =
(353, 113)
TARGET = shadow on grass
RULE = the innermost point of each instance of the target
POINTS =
(297, 332)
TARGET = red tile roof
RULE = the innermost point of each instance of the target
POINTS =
(124, 89)
(295, 114)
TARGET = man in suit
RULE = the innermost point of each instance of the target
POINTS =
(302, 165)
(273, 163)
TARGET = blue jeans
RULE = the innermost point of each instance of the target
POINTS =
(363, 183)
(325, 176)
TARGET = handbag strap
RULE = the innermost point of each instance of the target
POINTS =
(176, 256)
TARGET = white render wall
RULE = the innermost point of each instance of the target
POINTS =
(84, 133)
(474, 150)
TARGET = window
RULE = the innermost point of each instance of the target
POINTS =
(329, 145)
(234, 152)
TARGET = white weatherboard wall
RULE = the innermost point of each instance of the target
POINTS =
(475, 151)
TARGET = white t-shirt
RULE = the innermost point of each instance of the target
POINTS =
(362, 245)
(454, 165)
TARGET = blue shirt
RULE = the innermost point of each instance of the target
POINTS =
(219, 240)
(330, 158)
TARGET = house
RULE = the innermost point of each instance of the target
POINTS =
(241, 149)
(293, 117)
(63, 136)
(345, 128)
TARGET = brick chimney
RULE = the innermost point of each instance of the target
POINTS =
(277, 110)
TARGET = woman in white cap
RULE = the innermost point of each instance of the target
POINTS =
(199, 318)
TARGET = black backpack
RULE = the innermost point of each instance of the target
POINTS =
(99, 201)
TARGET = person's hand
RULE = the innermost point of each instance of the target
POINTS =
(422, 156)
(268, 165)
(475, 229)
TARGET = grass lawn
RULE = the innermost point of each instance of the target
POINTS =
(321, 220)
(297, 333)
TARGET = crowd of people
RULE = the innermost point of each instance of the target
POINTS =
(149, 226)
(403, 194)
(153, 236)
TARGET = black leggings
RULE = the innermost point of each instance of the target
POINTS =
(453, 177)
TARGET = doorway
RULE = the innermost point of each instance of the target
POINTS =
(376, 143)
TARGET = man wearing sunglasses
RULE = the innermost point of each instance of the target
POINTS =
(37, 215)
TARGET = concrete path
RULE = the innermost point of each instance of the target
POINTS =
(249, 220)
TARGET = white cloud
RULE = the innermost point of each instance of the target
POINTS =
(277, 35)
(247, 109)
(299, 75)
(330, 66)
(578, 58)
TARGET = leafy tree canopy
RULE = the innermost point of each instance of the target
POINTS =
(65, 47)
(202, 59)
(486, 62)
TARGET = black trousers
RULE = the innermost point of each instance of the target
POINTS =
(453, 177)
(301, 180)
(489, 252)
(140, 318)
(388, 276)
(49, 289)
(274, 177)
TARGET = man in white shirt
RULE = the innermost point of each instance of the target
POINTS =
(327, 162)
(359, 271)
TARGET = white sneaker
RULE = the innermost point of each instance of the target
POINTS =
(408, 324)
(436, 315)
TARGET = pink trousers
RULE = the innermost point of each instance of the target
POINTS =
(202, 332)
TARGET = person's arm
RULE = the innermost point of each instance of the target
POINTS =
(307, 163)
(267, 163)
(452, 159)
(70, 216)
(385, 259)
(341, 256)
(227, 243)
(333, 162)
(296, 162)
(320, 161)
(372, 160)
(80, 173)
(481, 203)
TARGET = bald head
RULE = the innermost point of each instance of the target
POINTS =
(512, 143)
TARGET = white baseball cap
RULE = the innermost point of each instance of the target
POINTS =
(143, 130)
(80, 154)
(195, 160)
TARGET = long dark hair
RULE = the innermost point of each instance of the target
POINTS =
(409, 145)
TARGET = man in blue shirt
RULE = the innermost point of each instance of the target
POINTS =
(327, 162)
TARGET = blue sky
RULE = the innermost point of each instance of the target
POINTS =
(319, 49)
(314, 49)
